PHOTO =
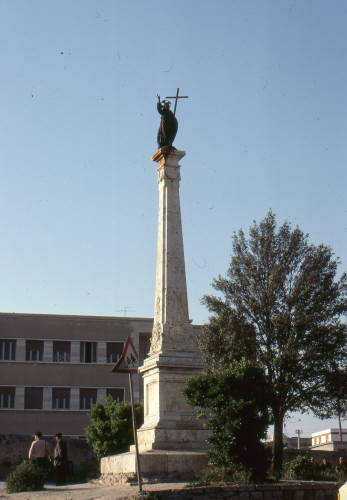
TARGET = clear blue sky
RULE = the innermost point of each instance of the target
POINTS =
(265, 127)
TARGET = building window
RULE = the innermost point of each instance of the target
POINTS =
(60, 398)
(88, 352)
(7, 350)
(87, 398)
(34, 350)
(61, 351)
(144, 345)
(114, 350)
(116, 394)
(33, 398)
(7, 397)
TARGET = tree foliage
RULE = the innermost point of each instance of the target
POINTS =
(110, 429)
(281, 304)
(336, 385)
(235, 400)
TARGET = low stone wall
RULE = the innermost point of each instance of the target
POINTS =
(280, 491)
(14, 449)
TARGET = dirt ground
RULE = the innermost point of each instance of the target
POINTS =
(85, 491)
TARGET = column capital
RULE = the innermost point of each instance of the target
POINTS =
(169, 156)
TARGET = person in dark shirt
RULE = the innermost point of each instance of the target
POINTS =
(341, 469)
(60, 460)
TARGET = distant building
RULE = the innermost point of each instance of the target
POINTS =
(329, 440)
(53, 368)
(291, 443)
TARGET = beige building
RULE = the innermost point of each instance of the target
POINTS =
(329, 440)
(53, 368)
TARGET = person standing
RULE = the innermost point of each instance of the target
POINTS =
(60, 460)
(341, 469)
(39, 451)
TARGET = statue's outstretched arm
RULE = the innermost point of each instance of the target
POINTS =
(159, 106)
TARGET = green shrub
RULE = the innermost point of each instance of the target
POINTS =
(303, 468)
(235, 401)
(229, 474)
(28, 476)
(110, 430)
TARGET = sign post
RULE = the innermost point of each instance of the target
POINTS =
(129, 363)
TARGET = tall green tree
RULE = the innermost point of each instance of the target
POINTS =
(280, 304)
(110, 430)
(336, 385)
(236, 401)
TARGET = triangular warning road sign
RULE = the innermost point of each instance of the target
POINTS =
(129, 359)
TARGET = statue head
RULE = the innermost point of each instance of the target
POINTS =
(166, 105)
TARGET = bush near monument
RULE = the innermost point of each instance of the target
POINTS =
(235, 400)
(110, 430)
(302, 467)
(281, 305)
(26, 477)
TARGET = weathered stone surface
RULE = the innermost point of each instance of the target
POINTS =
(155, 464)
(169, 422)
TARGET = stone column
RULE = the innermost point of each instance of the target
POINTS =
(75, 351)
(101, 395)
(19, 398)
(48, 351)
(74, 398)
(101, 352)
(47, 398)
(169, 422)
(20, 350)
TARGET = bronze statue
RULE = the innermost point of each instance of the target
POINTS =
(168, 124)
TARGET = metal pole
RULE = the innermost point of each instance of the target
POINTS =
(138, 470)
(178, 91)
(298, 431)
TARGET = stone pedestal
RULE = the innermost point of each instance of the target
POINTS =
(160, 465)
(171, 436)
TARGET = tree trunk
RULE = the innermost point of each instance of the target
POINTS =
(277, 450)
(340, 427)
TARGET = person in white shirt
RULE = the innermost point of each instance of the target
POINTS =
(39, 451)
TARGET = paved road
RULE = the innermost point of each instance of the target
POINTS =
(84, 491)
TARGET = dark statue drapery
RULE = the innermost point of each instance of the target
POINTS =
(168, 124)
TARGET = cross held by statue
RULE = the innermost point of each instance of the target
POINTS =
(176, 97)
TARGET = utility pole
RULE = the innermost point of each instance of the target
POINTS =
(299, 432)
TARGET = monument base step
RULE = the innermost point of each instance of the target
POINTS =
(167, 438)
(156, 465)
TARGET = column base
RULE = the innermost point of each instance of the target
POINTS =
(157, 465)
(169, 422)
(166, 438)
